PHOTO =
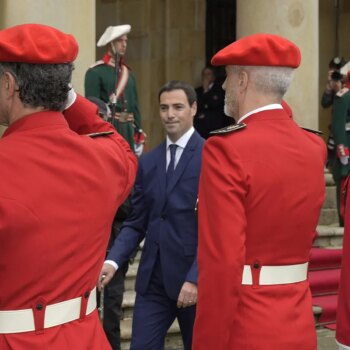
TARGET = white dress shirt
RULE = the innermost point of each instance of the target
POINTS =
(180, 143)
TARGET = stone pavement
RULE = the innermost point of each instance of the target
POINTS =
(326, 339)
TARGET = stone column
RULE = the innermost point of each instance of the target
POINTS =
(74, 17)
(296, 20)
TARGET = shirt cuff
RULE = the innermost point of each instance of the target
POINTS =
(113, 263)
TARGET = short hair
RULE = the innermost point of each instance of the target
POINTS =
(41, 85)
(211, 68)
(180, 85)
(269, 79)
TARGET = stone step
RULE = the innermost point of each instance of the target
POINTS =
(328, 216)
(330, 201)
(130, 276)
(329, 236)
(328, 178)
(317, 310)
(128, 303)
(325, 339)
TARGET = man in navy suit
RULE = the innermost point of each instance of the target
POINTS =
(163, 213)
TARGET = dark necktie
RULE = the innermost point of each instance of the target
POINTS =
(171, 166)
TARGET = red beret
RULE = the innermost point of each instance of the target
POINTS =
(38, 44)
(259, 50)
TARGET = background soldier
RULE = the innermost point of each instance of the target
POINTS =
(210, 98)
(113, 82)
(340, 127)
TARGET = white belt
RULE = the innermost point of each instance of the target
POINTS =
(17, 321)
(270, 275)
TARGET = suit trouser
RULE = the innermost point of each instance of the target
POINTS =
(154, 312)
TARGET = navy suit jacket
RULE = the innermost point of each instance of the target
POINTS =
(165, 217)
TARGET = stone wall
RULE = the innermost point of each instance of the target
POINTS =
(75, 17)
(167, 41)
(297, 21)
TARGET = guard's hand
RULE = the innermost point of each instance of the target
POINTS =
(188, 295)
(124, 117)
(106, 274)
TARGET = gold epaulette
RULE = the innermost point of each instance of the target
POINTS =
(97, 134)
(97, 63)
(317, 132)
(228, 129)
(342, 92)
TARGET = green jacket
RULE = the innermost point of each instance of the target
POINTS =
(100, 83)
(341, 131)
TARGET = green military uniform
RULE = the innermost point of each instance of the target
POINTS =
(100, 82)
(341, 132)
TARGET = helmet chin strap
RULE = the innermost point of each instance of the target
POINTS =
(114, 51)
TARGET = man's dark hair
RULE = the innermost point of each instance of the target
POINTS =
(41, 85)
(211, 68)
(180, 85)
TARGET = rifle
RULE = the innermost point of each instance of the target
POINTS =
(113, 99)
(102, 301)
(116, 106)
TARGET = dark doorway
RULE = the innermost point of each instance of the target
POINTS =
(220, 28)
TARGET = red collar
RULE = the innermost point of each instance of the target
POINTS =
(109, 61)
(36, 120)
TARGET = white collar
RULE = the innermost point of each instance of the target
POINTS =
(183, 140)
(260, 109)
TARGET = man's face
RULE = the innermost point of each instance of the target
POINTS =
(208, 75)
(176, 113)
(120, 45)
(231, 93)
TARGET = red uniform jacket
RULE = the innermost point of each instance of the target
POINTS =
(343, 311)
(59, 192)
(260, 195)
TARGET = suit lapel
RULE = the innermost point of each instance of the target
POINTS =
(186, 156)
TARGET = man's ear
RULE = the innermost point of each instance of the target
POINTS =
(10, 83)
(243, 80)
(194, 108)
